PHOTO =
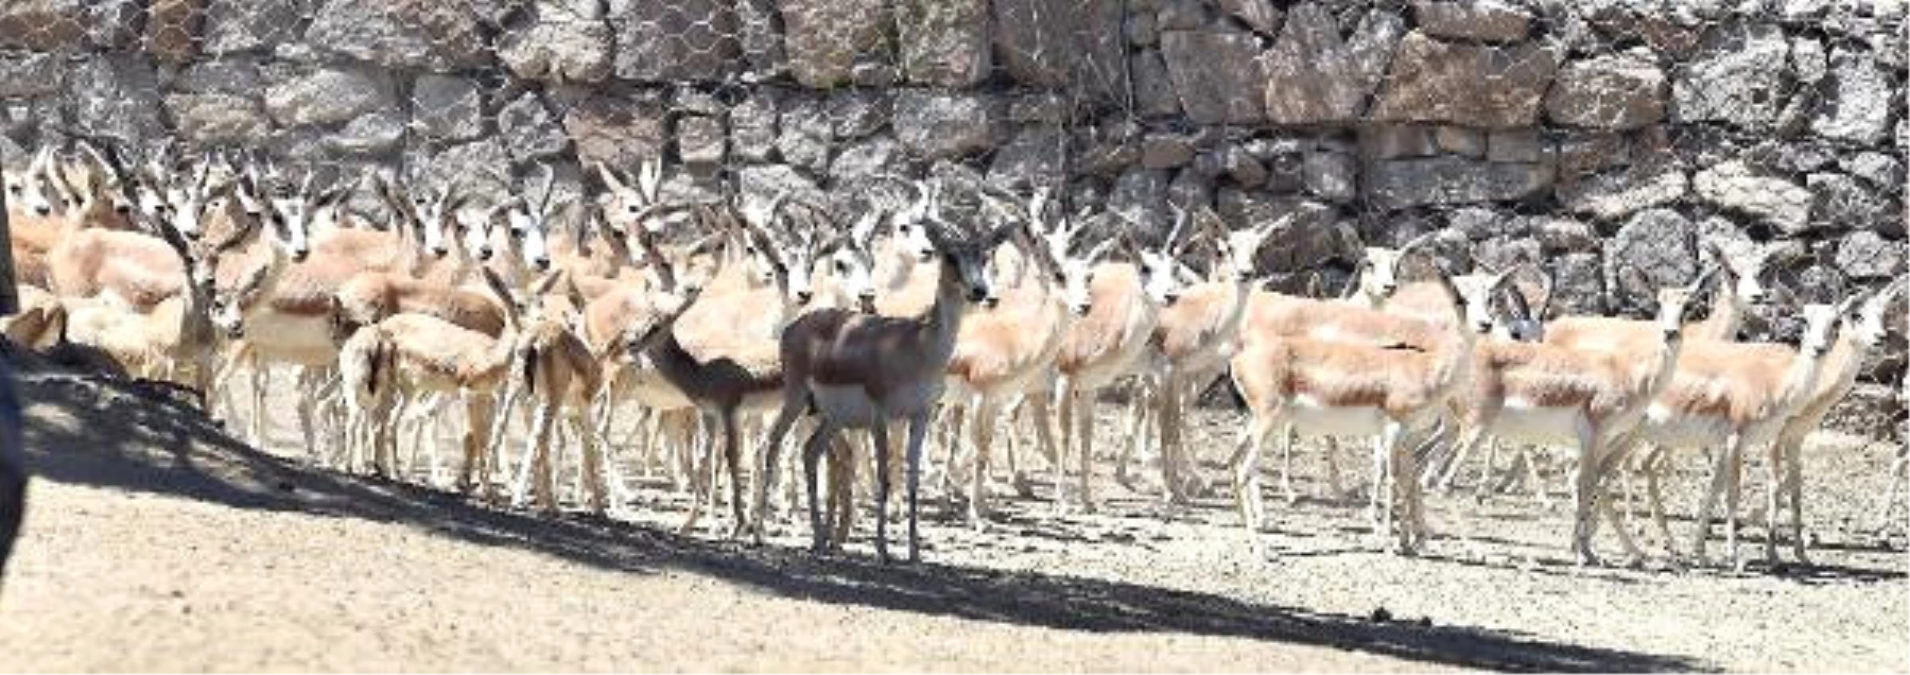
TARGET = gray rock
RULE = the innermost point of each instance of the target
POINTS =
(1503, 253)
(700, 141)
(944, 43)
(115, 96)
(1312, 236)
(806, 133)
(1559, 234)
(235, 75)
(1809, 61)
(529, 129)
(753, 127)
(676, 41)
(1216, 75)
(1737, 78)
(1841, 202)
(1879, 169)
(1592, 152)
(1608, 92)
(1470, 85)
(26, 75)
(1181, 15)
(1242, 167)
(374, 134)
(1047, 107)
(1578, 285)
(1055, 43)
(1867, 255)
(1393, 141)
(448, 108)
(67, 26)
(330, 96)
(1514, 145)
(1404, 183)
(555, 44)
(1484, 20)
(761, 183)
(1461, 141)
(233, 26)
(619, 129)
(1655, 249)
(1477, 223)
(1034, 157)
(219, 119)
(1166, 150)
(1619, 194)
(762, 40)
(172, 30)
(1286, 174)
(401, 33)
(1858, 105)
(482, 167)
(1734, 186)
(1332, 176)
(1154, 94)
(1314, 76)
(866, 159)
(1190, 190)
(935, 125)
(1141, 196)
(825, 40)
(1259, 15)
(1105, 152)
(857, 113)
(1143, 29)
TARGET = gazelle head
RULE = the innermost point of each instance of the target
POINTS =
(1237, 250)
(183, 203)
(908, 226)
(528, 218)
(112, 183)
(1820, 326)
(1380, 268)
(965, 256)
(1675, 302)
(1485, 303)
(290, 208)
(428, 212)
(1744, 275)
(33, 188)
(1867, 326)
(286, 241)
(1161, 271)
(624, 204)
(849, 261)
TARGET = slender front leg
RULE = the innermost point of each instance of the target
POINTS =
(812, 453)
(1734, 449)
(1083, 404)
(1286, 464)
(1719, 477)
(984, 431)
(1246, 466)
(918, 429)
(733, 455)
(1794, 487)
(1583, 495)
(1138, 411)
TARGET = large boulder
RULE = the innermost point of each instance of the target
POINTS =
(1608, 92)
(1406, 183)
(1259, 15)
(428, 34)
(867, 159)
(26, 75)
(1739, 77)
(172, 29)
(1867, 255)
(1483, 20)
(700, 141)
(759, 184)
(826, 40)
(1154, 94)
(1140, 195)
(482, 167)
(330, 96)
(1217, 74)
(1467, 84)
(447, 107)
(619, 128)
(1033, 157)
(247, 25)
(1655, 249)
(1314, 76)
(1063, 44)
(529, 129)
(1736, 187)
(116, 96)
(557, 44)
(944, 43)
(66, 25)
(934, 125)
(806, 133)
(1619, 194)
(1841, 202)
(368, 136)
(219, 119)
(681, 40)
(753, 126)
(1857, 106)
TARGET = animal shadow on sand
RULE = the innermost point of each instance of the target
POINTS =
(110, 433)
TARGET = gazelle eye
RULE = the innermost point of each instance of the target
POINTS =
(1060, 278)
(632, 208)
(842, 267)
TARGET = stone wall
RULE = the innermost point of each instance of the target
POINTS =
(1599, 138)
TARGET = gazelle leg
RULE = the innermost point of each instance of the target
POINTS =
(1286, 464)
(918, 429)
(811, 454)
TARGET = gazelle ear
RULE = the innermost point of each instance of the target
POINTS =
(995, 237)
(610, 178)
(650, 178)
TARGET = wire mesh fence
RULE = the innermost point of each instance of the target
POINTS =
(1603, 141)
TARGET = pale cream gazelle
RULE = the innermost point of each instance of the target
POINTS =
(1107, 343)
(40, 321)
(1335, 387)
(1737, 397)
(1192, 343)
(90, 258)
(858, 371)
(1008, 348)
(1590, 399)
(30, 192)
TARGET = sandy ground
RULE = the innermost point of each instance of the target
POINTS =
(154, 542)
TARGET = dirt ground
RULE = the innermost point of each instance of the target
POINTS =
(155, 542)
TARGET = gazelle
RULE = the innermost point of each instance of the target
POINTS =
(1329, 387)
(857, 371)
(1008, 349)
(1540, 393)
(1192, 343)
(90, 259)
(1737, 397)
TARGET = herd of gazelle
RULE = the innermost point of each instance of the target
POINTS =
(719, 328)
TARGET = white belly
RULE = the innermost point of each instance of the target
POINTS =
(289, 337)
(1663, 428)
(1521, 422)
(1311, 418)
